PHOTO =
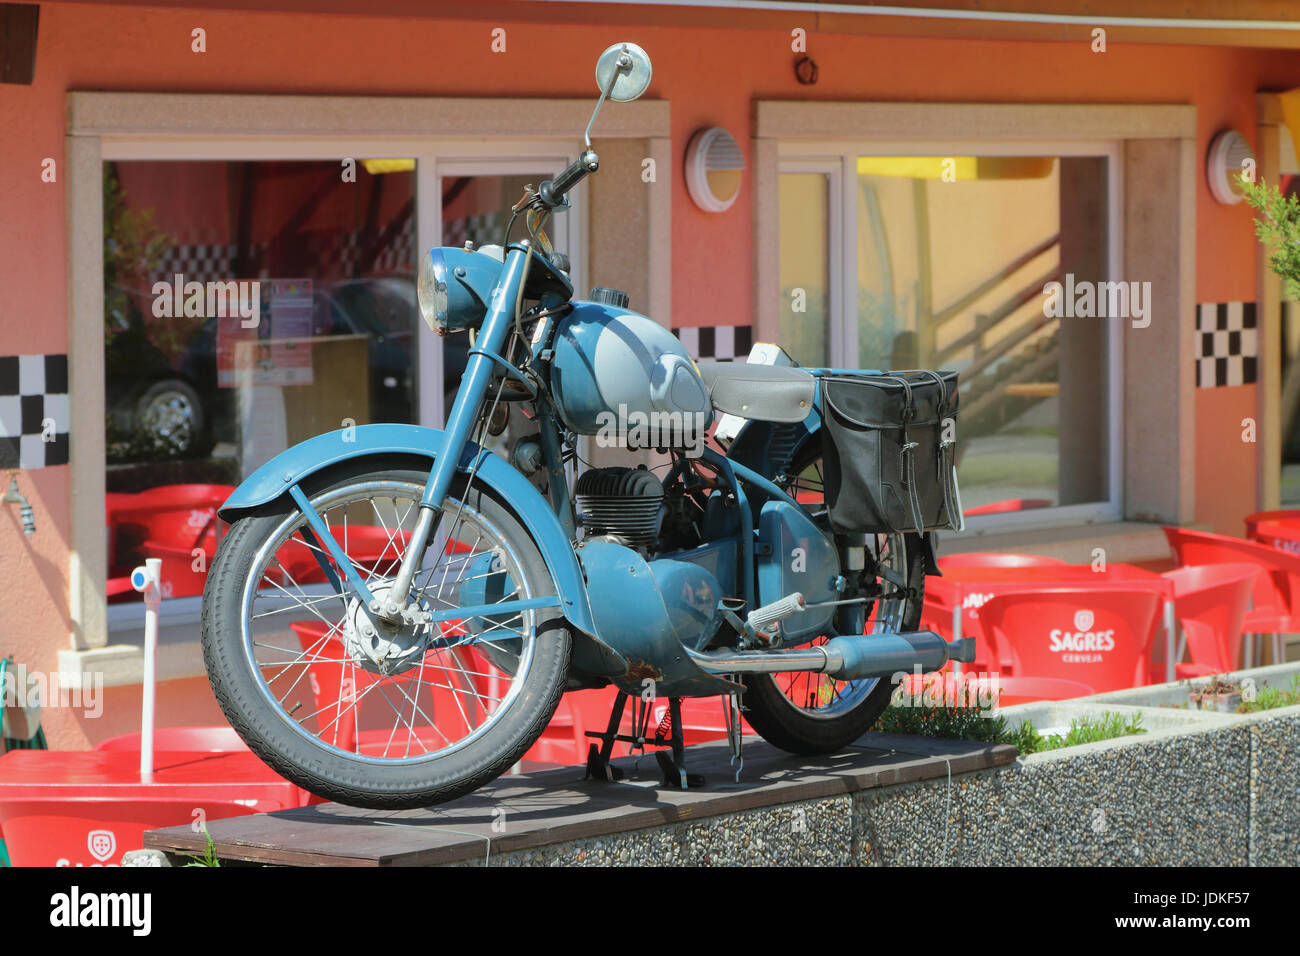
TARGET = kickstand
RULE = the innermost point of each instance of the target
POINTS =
(598, 765)
(674, 768)
(731, 703)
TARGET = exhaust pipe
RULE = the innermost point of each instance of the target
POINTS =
(846, 657)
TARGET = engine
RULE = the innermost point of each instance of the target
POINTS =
(630, 506)
(626, 504)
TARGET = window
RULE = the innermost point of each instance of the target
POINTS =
(949, 262)
(253, 303)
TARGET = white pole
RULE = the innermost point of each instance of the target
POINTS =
(1171, 642)
(956, 631)
(148, 581)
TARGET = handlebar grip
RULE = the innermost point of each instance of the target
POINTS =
(552, 192)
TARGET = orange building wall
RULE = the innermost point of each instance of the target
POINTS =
(710, 75)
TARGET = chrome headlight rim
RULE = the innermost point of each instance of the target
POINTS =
(431, 290)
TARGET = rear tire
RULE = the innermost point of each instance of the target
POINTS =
(810, 713)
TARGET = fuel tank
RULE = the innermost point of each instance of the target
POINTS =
(615, 371)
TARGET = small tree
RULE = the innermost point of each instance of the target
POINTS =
(1278, 230)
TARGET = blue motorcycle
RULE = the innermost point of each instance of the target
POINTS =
(396, 611)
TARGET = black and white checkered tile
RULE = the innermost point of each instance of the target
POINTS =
(331, 253)
(201, 263)
(1227, 344)
(722, 343)
(34, 411)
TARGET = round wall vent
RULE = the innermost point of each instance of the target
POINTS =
(714, 166)
(1228, 157)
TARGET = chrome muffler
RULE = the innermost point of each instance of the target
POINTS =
(846, 657)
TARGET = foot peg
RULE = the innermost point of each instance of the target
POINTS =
(762, 626)
(769, 615)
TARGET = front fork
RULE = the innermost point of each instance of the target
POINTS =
(460, 423)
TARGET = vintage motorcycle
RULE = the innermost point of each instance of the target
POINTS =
(395, 612)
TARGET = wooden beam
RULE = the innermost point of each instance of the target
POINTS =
(854, 19)
(800, 119)
(18, 22)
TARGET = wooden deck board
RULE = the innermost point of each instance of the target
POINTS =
(556, 806)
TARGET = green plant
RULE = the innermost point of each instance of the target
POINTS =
(209, 857)
(1026, 739)
(947, 722)
(973, 721)
(1083, 730)
(1278, 230)
(1271, 698)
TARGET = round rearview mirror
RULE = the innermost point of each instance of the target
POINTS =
(628, 66)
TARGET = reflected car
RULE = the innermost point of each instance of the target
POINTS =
(180, 409)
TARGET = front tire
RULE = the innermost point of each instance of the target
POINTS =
(286, 698)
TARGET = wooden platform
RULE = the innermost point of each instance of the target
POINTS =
(557, 806)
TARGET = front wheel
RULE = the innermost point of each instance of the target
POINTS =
(386, 718)
(812, 713)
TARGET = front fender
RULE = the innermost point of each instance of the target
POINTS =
(291, 466)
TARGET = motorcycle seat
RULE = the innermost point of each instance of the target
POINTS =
(765, 393)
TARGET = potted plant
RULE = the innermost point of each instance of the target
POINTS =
(1219, 694)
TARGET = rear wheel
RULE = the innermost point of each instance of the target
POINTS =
(811, 713)
(385, 718)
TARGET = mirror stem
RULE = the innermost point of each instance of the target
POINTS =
(624, 66)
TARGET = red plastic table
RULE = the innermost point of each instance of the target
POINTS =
(957, 584)
(86, 808)
(1283, 535)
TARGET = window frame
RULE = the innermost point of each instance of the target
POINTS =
(435, 158)
(839, 159)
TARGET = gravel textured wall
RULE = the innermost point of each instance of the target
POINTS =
(1197, 789)
(1275, 788)
(811, 833)
(1171, 800)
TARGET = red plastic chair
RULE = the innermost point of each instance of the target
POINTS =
(1285, 536)
(175, 515)
(178, 574)
(974, 689)
(1289, 516)
(115, 502)
(1026, 690)
(372, 547)
(450, 707)
(86, 807)
(1276, 594)
(166, 522)
(218, 740)
(97, 831)
(1006, 506)
(936, 615)
(1097, 636)
(563, 742)
(1211, 602)
(998, 559)
(936, 612)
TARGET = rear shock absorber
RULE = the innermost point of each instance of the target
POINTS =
(851, 618)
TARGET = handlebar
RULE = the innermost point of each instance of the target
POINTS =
(553, 191)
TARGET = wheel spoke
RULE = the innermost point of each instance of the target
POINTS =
(447, 694)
